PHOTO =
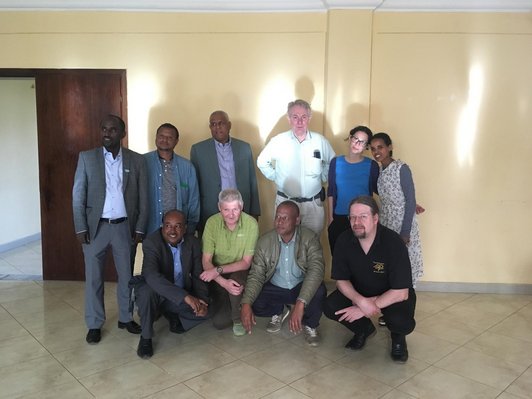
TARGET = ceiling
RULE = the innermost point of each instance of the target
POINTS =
(269, 5)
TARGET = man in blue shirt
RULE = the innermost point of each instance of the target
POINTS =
(171, 268)
(172, 182)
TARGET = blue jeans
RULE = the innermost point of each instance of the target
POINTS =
(272, 299)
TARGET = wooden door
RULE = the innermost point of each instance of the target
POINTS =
(70, 105)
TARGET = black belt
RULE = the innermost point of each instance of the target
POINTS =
(298, 199)
(113, 221)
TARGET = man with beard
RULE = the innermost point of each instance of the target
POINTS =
(373, 276)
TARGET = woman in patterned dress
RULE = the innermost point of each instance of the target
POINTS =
(398, 200)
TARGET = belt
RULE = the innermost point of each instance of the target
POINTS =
(298, 199)
(113, 221)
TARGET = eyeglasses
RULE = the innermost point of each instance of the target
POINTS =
(363, 217)
(357, 141)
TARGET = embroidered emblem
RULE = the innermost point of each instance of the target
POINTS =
(378, 267)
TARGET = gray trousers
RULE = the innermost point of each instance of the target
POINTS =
(117, 238)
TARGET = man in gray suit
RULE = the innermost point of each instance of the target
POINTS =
(223, 162)
(109, 201)
(171, 270)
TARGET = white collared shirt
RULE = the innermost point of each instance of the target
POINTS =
(114, 206)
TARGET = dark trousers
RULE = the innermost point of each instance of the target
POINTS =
(226, 307)
(339, 224)
(399, 316)
(272, 299)
(149, 303)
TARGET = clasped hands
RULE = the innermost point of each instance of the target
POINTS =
(364, 308)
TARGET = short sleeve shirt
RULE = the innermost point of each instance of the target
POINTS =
(228, 246)
(385, 266)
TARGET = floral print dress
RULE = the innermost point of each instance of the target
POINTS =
(393, 210)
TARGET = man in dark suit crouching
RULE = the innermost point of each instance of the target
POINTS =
(171, 283)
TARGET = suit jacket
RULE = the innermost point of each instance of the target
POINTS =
(158, 268)
(88, 193)
(203, 156)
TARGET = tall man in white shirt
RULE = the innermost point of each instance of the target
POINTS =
(298, 162)
(110, 205)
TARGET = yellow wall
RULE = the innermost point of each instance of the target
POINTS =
(405, 73)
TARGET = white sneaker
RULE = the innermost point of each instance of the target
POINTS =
(276, 322)
(311, 336)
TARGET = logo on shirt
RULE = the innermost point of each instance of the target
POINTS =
(378, 267)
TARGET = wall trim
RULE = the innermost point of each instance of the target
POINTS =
(477, 288)
(19, 243)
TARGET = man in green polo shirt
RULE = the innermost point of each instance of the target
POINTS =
(229, 242)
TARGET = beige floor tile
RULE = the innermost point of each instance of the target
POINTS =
(32, 376)
(448, 329)
(60, 336)
(485, 369)
(286, 361)
(427, 348)
(435, 383)
(522, 387)
(191, 360)
(59, 313)
(375, 362)
(10, 328)
(4, 314)
(23, 290)
(90, 359)
(516, 326)
(434, 302)
(136, 379)
(38, 303)
(6, 268)
(20, 349)
(236, 380)
(240, 347)
(286, 393)
(506, 395)
(179, 391)
(475, 315)
(324, 383)
(396, 394)
(498, 303)
(509, 349)
(66, 391)
(526, 311)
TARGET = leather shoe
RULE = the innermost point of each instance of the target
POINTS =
(131, 327)
(399, 351)
(359, 339)
(145, 348)
(94, 336)
(175, 325)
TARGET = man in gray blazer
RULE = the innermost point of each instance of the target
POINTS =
(223, 162)
(109, 201)
(171, 283)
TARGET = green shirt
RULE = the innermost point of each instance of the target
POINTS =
(228, 246)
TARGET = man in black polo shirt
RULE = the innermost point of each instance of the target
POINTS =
(373, 276)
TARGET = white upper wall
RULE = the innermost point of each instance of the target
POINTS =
(269, 5)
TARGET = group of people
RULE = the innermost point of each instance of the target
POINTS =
(202, 254)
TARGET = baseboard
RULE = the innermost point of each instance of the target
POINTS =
(477, 288)
(20, 242)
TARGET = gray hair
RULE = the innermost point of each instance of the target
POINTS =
(230, 195)
(300, 103)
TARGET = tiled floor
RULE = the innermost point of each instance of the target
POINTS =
(464, 346)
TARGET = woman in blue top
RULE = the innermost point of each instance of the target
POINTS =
(349, 176)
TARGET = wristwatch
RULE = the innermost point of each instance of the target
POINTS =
(220, 269)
